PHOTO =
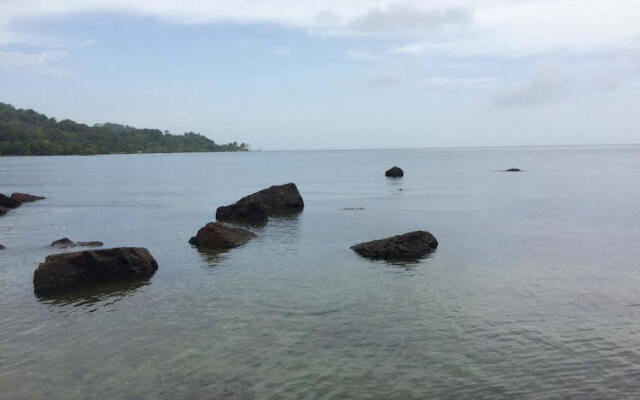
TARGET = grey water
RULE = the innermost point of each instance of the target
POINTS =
(533, 293)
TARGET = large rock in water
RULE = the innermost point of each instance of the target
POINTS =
(62, 272)
(256, 207)
(394, 172)
(8, 202)
(218, 236)
(411, 245)
(26, 198)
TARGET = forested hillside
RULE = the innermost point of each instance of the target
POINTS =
(27, 132)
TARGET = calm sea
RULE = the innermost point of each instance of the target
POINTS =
(533, 293)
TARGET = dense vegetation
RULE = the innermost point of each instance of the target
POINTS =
(26, 132)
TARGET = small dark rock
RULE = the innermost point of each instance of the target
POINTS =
(62, 272)
(353, 208)
(66, 242)
(62, 243)
(90, 244)
(513, 170)
(3, 210)
(2, 247)
(394, 172)
(26, 198)
(411, 245)
(8, 202)
(215, 235)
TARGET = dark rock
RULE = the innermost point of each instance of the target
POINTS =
(256, 207)
(2, 247)
(62, 243)
(26, 198)
(90, 244)
(218, 236)
(394, 172)
(411, 245)
(62, 272)
(8, 202)
(66, 242)
(3, 210)
(353, 208)
(513, 170)
(252, 213)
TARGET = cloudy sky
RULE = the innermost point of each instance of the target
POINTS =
(295, 74)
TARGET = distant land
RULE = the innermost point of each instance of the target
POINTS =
(27, 132)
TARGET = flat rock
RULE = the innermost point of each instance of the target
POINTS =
(215, 235)
(26, 198)
(410, 245)
(62, 272)
(258, 206)
(8, 202)
(394, 172)
(66, 242)
(513, 170)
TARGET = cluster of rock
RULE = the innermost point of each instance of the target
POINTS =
(254, 209)
(15, 201)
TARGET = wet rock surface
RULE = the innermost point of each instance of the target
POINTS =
(255, 208)
(63, 272)
(8, 202)
(215, 235)
(408, 246)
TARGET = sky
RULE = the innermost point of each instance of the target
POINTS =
(295, 74)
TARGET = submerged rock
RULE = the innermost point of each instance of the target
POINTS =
(410, 245)
(26, 198)
(513, 170)
(215, 235)
(394, 172)
(66, 242)
(258, 206)
(62, 272)
(3, 210)
(8, 202)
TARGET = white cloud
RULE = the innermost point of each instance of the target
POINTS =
(470, 26)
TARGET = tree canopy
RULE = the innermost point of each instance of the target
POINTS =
(27, 132)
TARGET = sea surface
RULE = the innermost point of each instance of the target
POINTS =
(533, 293)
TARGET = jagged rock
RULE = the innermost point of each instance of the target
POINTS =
(513, 170)
(256, 207)
(410, 245)
(394, 172)
(8, 202)
(26, 198)
(215, 235)
(62, 272)
(66, 242)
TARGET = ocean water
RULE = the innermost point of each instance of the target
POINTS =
(533, 293)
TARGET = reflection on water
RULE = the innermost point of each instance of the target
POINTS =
(527, 296)
(103, 294)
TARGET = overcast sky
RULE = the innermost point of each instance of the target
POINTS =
(294, 74)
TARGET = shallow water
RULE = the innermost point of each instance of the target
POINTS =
(532, 293)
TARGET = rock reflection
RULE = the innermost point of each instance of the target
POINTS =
(212, 256)
(92, 295)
